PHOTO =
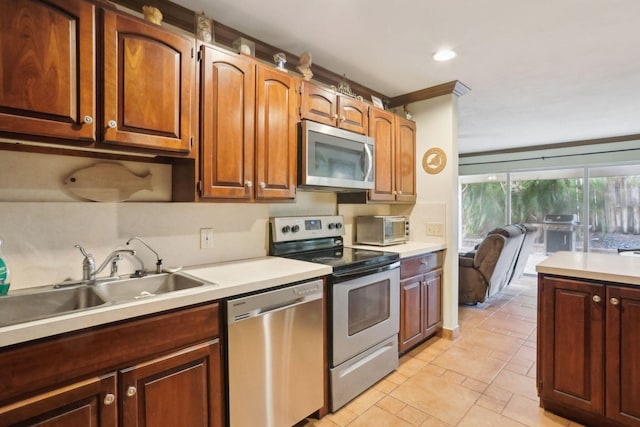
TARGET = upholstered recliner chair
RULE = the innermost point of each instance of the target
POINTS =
(488, 269)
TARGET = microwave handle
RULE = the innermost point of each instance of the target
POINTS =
(367, 150)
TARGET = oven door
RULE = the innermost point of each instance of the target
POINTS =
(365, 311)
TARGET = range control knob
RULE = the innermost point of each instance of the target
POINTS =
(331, 226)
(286, 229)
(295, 228)
(338, 225)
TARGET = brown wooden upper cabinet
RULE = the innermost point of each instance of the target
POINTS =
(248, 129)
(49, 72)
(48, 69)
(395, 139)
(148, 85)
(326, 106)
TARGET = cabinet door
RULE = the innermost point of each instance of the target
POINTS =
(148, 85)
(623, 355)
(381, 125)
(47, 69)
(86, 403)
(432, 302)
(276, 137)
(405, 150)
(573, 343)
(319, 104)
(411, 313)
(227, 135)
(353, 115)
(181, 389)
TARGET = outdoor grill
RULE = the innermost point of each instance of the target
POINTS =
(560, 232)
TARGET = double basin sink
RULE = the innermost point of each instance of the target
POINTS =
(54, 300)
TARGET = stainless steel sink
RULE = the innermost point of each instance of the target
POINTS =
(145, 287)
(48, 302)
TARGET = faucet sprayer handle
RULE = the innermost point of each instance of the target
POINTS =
(85, 253)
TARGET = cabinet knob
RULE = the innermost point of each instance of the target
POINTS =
(131, 391)
(399, 192)
(87, 120)
(263, 185)
(596, 298)
(335, 116)
(112, 124)
(614, 301)
(249, 184)
(109, 398)
(343, 118)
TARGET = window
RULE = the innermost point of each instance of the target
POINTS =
(483, 201)
(614, 208)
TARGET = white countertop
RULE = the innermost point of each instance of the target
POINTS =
(226, 279)
(596, 266)
(408, 249)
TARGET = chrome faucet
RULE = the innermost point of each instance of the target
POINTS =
(89, 270)
(113, 259)
(88, 265)
(159, 260)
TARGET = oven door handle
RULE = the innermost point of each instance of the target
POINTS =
(361, 272)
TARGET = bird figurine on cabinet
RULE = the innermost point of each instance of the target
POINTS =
(305, 66)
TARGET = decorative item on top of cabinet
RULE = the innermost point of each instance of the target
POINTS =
(152, 14)
(326, 106)
(588, 355)
(148, 85)
(239, 148)
(204, 28)
(49, 83)
(395, 164)
(420, 299)
(305, 66)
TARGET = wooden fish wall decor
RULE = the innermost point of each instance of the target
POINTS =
(106, 182)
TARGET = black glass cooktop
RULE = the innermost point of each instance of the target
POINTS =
(347, 258)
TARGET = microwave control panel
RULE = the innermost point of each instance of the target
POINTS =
(285, 229)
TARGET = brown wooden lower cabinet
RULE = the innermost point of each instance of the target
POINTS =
(589, 351)
(86, 403)
(420, 299)
(141, 372)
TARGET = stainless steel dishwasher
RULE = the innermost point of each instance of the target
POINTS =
(275, 356)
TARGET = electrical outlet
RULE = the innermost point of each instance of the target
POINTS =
(206, 238)
(435, 229)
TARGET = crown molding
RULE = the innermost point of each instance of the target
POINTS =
(455, 87)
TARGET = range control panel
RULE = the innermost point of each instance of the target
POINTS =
(285, 229)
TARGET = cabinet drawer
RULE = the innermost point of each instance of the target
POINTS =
(421, 264)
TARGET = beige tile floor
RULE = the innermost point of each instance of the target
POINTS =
(486, 377)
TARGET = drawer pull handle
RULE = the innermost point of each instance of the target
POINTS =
(596, 298)
(131, 391)
(614, 301)
(109, 398)
(425, 263)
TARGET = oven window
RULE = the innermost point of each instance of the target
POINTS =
(368, 306)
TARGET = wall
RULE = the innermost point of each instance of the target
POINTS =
(42, 227)
(436, 121)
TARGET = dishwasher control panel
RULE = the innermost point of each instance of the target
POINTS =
(262, 303)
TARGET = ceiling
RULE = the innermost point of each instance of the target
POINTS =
(540, 72)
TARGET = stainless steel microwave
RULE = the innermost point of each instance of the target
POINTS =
(382, 230)
(334, 159)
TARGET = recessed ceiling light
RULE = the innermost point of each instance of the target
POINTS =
(444, 55)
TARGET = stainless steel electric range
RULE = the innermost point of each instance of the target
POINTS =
(363, 300)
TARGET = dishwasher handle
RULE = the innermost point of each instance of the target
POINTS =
(268, 302)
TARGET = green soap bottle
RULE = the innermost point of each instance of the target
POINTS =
(5, 273)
